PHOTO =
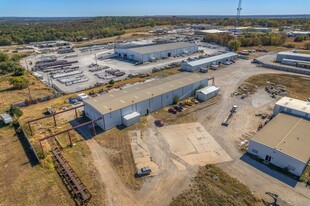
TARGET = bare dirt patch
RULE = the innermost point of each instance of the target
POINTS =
(141, 152)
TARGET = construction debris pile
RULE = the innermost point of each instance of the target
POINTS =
(275, 89)
(245, 90)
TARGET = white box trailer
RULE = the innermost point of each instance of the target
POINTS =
(6, 118)
(131, 119)
(207, 93)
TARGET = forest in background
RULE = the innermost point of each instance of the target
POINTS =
(26, 30)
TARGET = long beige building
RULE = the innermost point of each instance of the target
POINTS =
(126, 106)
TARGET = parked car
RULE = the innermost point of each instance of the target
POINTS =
(178, 108)
(159, 123)
(73, 100)
(82, 96)
(172, 110)
(232, 61)
(144, 171)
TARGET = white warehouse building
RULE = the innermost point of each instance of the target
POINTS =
(293, 56)
(126, 106)
(284, 142)
(152, 52)
(207, 62)
(292, 106)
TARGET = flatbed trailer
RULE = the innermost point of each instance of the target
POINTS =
(228, 118)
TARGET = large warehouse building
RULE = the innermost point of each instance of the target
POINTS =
(293, 56)
(284, 142)
(207, 62)
(152, 52)
(126, 106)
(292, 106)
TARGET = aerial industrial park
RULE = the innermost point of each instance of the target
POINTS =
(155, 110)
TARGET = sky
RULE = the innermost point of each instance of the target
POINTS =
(81, 8)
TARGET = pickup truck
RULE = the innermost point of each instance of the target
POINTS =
(144, 171)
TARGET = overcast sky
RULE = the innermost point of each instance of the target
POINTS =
(80, 8)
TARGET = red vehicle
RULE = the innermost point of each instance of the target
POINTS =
(233, 61)
(172, 110)
(159, 123)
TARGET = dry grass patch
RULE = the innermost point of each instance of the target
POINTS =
(117, 144)
(213, 187)
(22, 184)
(297, 86)
(186, 116)
(9, 96)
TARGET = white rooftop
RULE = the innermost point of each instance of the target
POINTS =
(294, 54)
(131, 115)
(208, 89)
(212, 31)
(294, 104)
(211, 59)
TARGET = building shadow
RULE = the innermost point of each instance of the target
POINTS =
(28, 149)
(267, 170)
(85, 131)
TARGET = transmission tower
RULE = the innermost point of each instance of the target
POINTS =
(238, 14)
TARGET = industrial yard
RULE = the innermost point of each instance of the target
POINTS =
(150, 109)
(111, 150)
(91, 66)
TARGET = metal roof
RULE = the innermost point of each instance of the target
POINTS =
(208, 89)
(294, 104)
(294, 54)
(296, 61)
(287, 134)
(211, 31)
(160, 47)
(113, 101)
(211, 59)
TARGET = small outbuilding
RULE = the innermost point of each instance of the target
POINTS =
(207, 93)
(292, 106)
(6, 118)
(131, 119)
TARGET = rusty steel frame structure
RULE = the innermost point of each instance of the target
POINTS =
(68, 132)
(77, 189)
(54, 116)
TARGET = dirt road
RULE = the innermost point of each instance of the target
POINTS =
(157, 190)
(244, 121)
(117, 193)
(170, 182)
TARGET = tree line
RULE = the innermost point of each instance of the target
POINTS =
(22, 31)
(246, 40)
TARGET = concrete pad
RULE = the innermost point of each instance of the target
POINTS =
(192, 143)
(140, 151)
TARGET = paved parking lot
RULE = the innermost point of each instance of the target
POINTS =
(89, 57)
